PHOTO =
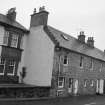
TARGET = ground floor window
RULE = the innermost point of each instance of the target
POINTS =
(61, 81)
(11, 67)
(2, 65)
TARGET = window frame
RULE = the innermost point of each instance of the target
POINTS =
(14, 39)
(14, 67)
(81, 61)
(91, 64)
(65, 64)
(59, 64)
(3, 65)
(85, 83)
(62, 86)
(6, 38)
(92, 83)
(101, 67)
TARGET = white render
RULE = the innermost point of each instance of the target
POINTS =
(2, 32)
(38, 60)
(21, 63)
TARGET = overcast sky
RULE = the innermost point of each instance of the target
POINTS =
(69, 16)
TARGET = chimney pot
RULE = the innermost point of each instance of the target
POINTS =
(12, 14)
(81, 37)
(90, 42)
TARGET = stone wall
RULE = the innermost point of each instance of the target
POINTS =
(74, 71)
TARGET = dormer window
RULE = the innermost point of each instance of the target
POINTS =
(65, 60)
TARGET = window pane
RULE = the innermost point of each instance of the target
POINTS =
(14, 40)
(60, 78)
(1, 68)
(60, 83)
(6, 36)
(65, 60)
(11, 67)
(2, 65)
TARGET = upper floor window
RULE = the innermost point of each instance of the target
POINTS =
(14, 40)
(101, 66)
(81, 61)
(2, 65)
(11, 67)
(6, 37)
(65, 60)
(61, 82)
(91, 64)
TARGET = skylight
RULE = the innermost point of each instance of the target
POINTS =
(64, 37)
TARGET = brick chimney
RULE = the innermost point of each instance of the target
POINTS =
(81, 37)
(90, 42)
(11, 14)
(39, 18)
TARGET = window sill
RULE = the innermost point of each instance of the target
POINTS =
(65, 64)
(1, 73)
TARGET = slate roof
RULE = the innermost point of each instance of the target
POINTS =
(5, 20)
(73, 44)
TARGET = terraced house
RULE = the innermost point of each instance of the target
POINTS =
(44, 61)
(67, 65)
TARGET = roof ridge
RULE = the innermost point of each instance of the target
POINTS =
(75, 45)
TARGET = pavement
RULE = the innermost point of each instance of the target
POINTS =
(71, 100)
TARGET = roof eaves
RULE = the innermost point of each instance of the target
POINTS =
(6, 24)
(51, 36)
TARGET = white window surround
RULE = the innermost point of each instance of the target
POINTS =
(14, 40)
(61, 82)
(2, 63)
(85, 82)
(92, 83)
(91, 65)
(59, 64)
(101, 67)
(12, 64)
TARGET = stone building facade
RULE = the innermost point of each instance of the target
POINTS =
(49, 62)
(68, 65)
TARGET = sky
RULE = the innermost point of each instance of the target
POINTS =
(69, 16)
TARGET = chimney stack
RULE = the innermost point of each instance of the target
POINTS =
(90, 42)
(39, 18)
(11, 14)
(81, 37)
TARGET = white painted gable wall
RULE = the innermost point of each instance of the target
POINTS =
(38, 59)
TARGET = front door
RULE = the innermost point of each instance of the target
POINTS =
(101, 86)
(70, 89)
(76, 87)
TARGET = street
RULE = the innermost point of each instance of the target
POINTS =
(72, 100)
